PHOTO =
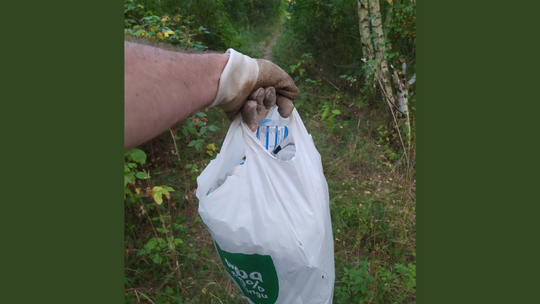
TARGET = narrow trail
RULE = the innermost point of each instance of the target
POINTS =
(268, 49)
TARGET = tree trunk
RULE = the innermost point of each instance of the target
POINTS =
(402, 87)
(367, 46)
(380, 37)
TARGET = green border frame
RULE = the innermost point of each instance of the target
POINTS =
(62, 142)
(62, 147)
(474, 224)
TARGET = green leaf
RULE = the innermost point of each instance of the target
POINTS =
(201, 114)
(336, 112)
(151, 244)
(138, 156)
(158, 198)
(157, 259)
(212, 128)
(141, 175)
(126, 180)
(324, 114)
(192, 143)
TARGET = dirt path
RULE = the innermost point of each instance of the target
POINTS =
(268, 49)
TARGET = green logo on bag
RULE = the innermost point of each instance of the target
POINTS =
(254, 273)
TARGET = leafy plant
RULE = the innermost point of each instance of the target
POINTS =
(177, 29)
(355, 283)
(133, 158)
(328, 115)
(369, 282)
(195, 130)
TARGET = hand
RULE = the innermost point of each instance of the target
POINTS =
(262, 81)
(258, 104)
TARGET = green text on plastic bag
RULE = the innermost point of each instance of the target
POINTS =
(254, 273)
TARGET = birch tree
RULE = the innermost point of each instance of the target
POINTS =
(367, 46)
(380, 48)
(373, 41)
(403, 92)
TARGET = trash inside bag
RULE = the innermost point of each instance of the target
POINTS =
(267, 210)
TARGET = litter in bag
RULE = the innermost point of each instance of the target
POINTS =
(270, 220)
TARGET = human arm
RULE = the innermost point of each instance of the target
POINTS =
(163, 87)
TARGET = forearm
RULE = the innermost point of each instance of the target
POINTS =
(163, 87)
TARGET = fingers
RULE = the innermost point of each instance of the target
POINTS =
(290, 91)
(265, 98)
(258, 96)
(285, 106)
(249, 114)
(269, 97)
(262, 100)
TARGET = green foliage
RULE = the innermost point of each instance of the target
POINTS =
(364, 282)
(132, 158)
(196, 132)
(355, 284)
(328, 115)
(177, 29)
(198, 24)
(329, 30)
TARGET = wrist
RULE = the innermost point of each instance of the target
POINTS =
(236, 81)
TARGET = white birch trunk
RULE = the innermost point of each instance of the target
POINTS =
(382, 69)
(367, 46)
(402, 86)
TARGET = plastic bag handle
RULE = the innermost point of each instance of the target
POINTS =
(298, 131)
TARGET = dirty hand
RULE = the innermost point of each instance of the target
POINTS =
(256, 85)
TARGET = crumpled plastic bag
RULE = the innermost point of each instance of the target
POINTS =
(270, 221)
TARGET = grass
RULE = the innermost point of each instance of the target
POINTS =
(372, 202)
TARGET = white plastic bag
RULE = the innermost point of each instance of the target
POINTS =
(271, 221)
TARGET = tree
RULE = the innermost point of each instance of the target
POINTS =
(374, 51)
